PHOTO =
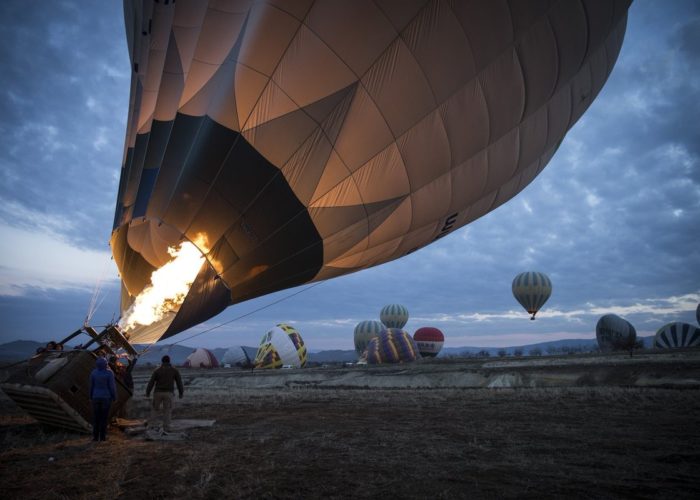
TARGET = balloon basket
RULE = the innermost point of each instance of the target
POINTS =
(53, 386)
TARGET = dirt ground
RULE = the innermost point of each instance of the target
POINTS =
(587, 442)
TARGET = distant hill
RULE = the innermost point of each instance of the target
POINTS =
(23, 349)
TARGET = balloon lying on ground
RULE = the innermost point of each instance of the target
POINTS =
(281, 346)
(393, 345)
(532, 289)
(674, 335)
(239, 355)
(300, 141)
(394, 316)
(614, 333)
(201, 358)
(429, 341)
(364, 332)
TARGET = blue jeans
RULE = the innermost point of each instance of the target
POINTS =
(100, 415)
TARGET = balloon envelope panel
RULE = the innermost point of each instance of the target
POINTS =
(296, 142)
(394, 316)
(532, 290)
(429, 341)
(281, 346)
(677, 334)
(393, 345)
(364, 332)
(614, 332)
(239, 356)
(201, 358)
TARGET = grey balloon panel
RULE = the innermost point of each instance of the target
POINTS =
(678, 334)
(366, 137)
(614, 332)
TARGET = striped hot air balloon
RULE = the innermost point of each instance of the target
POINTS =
(613, 333)
(393, 345)
(394, 316)
(674, 335)
(281, 346)
(429, 341)
(532, 289)
(364, 332)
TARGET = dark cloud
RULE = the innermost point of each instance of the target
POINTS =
(613, 220)
(65, 81)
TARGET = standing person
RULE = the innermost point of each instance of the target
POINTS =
(103, 391)
(124, 374)
(164, 379)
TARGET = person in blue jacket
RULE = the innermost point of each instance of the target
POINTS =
(103, 391)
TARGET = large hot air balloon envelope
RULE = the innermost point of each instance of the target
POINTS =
(394, 316)
(281, 346)
(429, 341)
(292, 142)
(393, 345)
(201, 358)
(364, 332)
(614, 333)
(532, 289)
(675, 335)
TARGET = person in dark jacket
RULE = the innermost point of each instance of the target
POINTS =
(103, 391)
(163, 380)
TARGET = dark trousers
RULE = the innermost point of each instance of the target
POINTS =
(100, 414)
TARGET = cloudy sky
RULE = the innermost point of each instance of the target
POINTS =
(614, 219)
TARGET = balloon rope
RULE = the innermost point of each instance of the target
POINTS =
(92, 308)
(250, 313)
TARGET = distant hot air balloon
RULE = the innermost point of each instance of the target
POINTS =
(394, 316)
(532, 289)
(429, 341)
(239, 356)
(201, 358)
(613, 333)
(280, 143)
(364, 332)
(281, 346)
(393, 345)
(677, 334)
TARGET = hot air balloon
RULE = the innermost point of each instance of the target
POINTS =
(282, 143)
(429, 341)
(532, 289)
(364, 332)
(201, 358)
(239, 355)
(393, 345)
(677, 334)
(614, 333)
(394, 316)
(281, 346)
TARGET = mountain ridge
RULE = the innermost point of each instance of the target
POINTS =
(19, 350)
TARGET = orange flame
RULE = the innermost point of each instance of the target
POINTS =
(168, 289)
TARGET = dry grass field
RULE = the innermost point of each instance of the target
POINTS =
(577, 442)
